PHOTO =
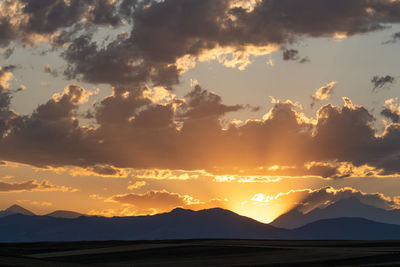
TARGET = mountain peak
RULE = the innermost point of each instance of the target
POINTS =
(344, 208)
(64, 214)
(181, 211)
(16, 209)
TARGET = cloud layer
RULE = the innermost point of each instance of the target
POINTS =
(135, 129)
(157, 42)
(164, 38)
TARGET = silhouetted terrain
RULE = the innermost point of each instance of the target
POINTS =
(15, 209)
(350, 207)
(177, 224)
(64, 214)
(184, 224)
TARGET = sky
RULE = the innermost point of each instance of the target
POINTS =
(125, 108)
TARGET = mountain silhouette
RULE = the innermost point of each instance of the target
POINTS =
(184, 224)
(177, 224)
(64, 214)
(15, 209)
(349, 207)
(347, 229)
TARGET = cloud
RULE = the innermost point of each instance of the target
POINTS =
(136, 185)
(31, 21)
(37, 136)
(307, 200)
(160, 40)
(161, 136)
(36, 203)
(323, 93)
(168, 37)
(168, 174)
(163, 201)
(33, 185)
(48, 69)
(394, 38)
(293, 55)
(392, 110)
(101, 171)
(380, 82)
(7, 116)
(151, 199)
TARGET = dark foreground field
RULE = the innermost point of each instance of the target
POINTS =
(201, 252)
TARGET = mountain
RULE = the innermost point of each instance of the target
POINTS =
(349, 207)
(177, 224)
(64, 214)
(15, 209)
(185, 224)
(347, 229)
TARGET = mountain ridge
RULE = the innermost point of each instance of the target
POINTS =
(349, 207)
(184, 224)
(15, 209)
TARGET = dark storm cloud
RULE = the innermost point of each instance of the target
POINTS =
(380, 82)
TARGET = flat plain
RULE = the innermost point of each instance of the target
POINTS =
(202, 253)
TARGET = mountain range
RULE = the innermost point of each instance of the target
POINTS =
(348, 207)
(341, 221)
(16, 209)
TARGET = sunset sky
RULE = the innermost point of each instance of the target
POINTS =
(123, 107)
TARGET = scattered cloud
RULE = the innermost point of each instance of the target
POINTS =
(293, 55)
(380, 82)
(48, 69)
(33, 185)
(136, 185)
(394, 38)
(168, 174)
(323, 93)
(36, 203)
(162, 201)
(101, 171)
(392, 110)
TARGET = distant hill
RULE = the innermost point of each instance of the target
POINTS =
(177, 224)
(347, 229)
(350, 207)
(15, 209)
(184, 224)
(64, 214)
